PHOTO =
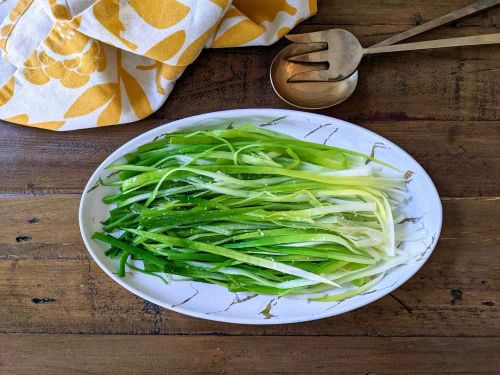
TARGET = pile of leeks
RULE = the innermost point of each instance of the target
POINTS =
(255, 211)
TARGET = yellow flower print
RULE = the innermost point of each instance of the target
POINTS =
(109, 95)
(74, 72)
(14, 15)
(65, 40)
(4, 34)
(264, 10)
(60, 11)
(7, 91)
(165, 71)
(107, 12)
(221, 3)
(19, 9)
(24, 119)
(160, 14)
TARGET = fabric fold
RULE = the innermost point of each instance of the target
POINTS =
(86, 63)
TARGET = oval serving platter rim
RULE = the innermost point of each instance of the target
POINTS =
(255, 112)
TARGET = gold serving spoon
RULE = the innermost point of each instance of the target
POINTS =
(344, 52)
(317, 95)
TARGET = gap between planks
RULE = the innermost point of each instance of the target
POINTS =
(63, 354)
(44, 193)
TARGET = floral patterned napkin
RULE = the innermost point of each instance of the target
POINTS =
(72, 64)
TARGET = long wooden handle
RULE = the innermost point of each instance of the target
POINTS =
(440, 21)
(439, 43)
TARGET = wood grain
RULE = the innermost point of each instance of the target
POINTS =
(69, 354)
(461, 158)
(448, 85)
(393, 12)
(443, 107)
(456, 292)
(446, 298)
(452, 94)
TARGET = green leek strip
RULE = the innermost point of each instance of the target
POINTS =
(290, 239)
(129, 248)
(162, 174)
(132, 267)
(181, 217)
(291, 250)
(349, 293)
(123, 261)
(233, 255)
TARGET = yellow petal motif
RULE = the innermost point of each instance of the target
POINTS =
(238, 35)
(149, 67)
(89, 60)
(73, 80)
(4, 34)
(221, 3)
(171, 72)
(313, 7)
(72, 63)
(136, 95)
(45, 58)
(101, 58)
(283, 31)
(19, 119)
(19, 9)
(92, 99)
(233, 12)
(7, 91)
(264, 10)
(160, 13)
(88, 65)
(24, 119)
(36, 76)
(107, 12)
(49, 125)
(33, 61)
(5, 31)
(56, 70)
(65, 40)
(112, 113)
(59, 11)
(194, 49)
(93, 50)
(168, 47)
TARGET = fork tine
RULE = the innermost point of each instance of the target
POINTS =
(318, 56)
(317, 36)
(314, 76)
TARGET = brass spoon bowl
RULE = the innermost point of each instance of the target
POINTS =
(307, 95)
(318, 95)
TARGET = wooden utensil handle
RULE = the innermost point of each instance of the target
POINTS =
(440, 21)
(439, 43)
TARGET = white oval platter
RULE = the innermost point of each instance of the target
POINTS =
(216, 303)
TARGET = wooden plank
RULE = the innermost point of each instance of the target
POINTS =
(441, 106)
(46, 226)
(392, 12)
(456, 293)
(447, 298)
(460, 157)
(79, 354)
(40, 227)
(410, 91)
(450, 85)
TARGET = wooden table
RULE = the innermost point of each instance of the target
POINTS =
(60, 314)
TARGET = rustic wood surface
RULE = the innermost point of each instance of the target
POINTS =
(60, 314)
